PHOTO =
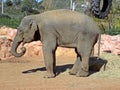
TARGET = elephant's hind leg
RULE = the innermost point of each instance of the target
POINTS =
(84, 67)
(84, 51)
(76, 65)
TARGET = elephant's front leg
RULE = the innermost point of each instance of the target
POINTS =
(49, 59)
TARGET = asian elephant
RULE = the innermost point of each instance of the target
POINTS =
(64, 28)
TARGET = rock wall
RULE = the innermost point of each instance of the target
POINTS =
(109, 44)
(6, 37)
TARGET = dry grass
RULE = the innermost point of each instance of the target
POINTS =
(112, 69)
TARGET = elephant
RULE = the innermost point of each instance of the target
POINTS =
(59, 28)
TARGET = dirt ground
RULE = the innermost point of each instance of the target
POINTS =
(27, 73)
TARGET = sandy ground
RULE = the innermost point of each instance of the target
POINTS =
(27, 73)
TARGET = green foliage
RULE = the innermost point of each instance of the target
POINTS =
(9, 3)
(59, 4)
(117, 22)
(17, 2)
(30, 7)
(5, 16)
(113, 31)
(11, 22)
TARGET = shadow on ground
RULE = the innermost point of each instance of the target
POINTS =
(95, 64)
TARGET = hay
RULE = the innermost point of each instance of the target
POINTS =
(112, 67)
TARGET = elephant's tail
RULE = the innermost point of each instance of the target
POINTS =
(99, 41)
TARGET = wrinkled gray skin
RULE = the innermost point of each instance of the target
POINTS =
(55, 28)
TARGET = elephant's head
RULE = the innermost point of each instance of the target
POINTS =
(27, 32)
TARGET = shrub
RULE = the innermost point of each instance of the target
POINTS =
(10, 22)
(114, 31)
(5, 16)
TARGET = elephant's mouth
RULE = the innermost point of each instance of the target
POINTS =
(26, 41)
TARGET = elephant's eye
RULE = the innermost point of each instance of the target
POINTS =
(20, 31)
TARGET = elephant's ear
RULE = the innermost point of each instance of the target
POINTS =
(33, 27)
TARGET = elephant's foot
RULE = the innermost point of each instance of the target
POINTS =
(49, 75)
(82, 73)
(72, 72)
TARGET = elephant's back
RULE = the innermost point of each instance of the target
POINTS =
(64, 14)
(68, 18)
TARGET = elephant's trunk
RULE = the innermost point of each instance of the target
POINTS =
(14, 49)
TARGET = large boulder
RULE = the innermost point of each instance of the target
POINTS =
(6, 37)
(7, 32)
(110, 44)
(5, 46)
